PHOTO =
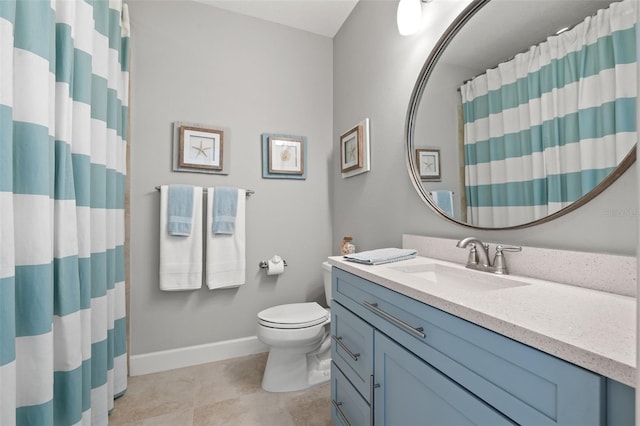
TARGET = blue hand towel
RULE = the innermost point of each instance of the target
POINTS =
(443, 199)
(180, 210)
(380, 256)
(225, 206)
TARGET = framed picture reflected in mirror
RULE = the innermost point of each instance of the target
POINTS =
(428, 161)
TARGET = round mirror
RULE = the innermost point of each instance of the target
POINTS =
(524, 110)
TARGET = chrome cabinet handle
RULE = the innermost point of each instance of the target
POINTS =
(337, 405)
(373, 307)
(344, 347)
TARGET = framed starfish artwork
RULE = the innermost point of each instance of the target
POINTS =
(351, 149)
(354, 150)
(428, 161)
(199, 148)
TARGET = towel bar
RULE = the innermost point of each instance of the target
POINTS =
(249, 192)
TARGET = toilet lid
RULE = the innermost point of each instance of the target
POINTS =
(293, 315)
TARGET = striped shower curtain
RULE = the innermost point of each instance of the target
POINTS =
(543, 129)
(63, 119)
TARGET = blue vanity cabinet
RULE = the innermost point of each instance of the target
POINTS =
(348, 407)
(351, 367)
(352, 348)
(426, 360)
(620, 404)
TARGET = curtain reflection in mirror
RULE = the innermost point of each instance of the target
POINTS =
(543, 129)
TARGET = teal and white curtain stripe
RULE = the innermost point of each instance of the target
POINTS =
(542, 129)
(63, 121)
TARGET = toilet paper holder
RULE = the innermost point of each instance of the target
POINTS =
(265, 264)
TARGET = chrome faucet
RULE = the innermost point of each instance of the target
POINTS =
(478, 249)
(479, 256)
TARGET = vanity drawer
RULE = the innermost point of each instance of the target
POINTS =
(525, 384)
(347, 405)
(352, 347)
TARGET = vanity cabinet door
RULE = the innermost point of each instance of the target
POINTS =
(620, 404)
(348, 408)
(411, 392)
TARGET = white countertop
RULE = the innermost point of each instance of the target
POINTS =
(593, 329)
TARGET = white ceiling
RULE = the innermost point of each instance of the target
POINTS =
(324, 17)
(503, 35)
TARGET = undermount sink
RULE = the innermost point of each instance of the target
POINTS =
(460, 277)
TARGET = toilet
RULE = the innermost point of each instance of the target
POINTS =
(298, 335)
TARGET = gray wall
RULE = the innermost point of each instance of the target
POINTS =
(437, 126)
(192, 62)
(374, 73)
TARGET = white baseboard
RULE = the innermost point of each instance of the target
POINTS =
(154, 362)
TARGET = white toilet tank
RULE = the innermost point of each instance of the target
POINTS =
(326, 274)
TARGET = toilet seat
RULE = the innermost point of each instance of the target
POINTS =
(293, 315)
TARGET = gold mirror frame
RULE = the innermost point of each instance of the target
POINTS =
(414, 103)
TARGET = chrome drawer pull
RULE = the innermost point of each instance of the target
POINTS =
(344, 347)
(340, 413)
(373, 307)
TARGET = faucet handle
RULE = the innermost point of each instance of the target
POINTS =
(499, 263)
(501, 247)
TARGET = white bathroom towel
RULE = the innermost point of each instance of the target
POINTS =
(226, 258)
(181, 256)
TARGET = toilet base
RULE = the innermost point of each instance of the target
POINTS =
(287, 372)
(318, 368)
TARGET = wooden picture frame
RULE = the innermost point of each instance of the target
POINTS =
(428, 161)
(355, 155)
(351, 149)
(284, 156)
(200, 148)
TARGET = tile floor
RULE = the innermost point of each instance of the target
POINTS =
(220, 393)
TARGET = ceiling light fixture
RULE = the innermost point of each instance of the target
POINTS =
(409, 16)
